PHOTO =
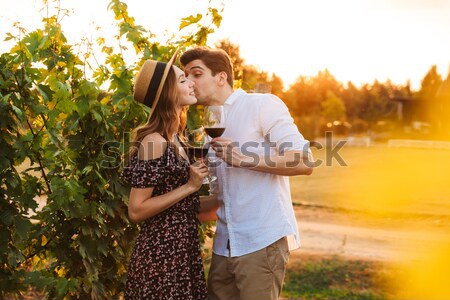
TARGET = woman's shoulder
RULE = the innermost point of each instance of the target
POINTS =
(152, 146)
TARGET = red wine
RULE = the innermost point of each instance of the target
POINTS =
(214, 131)
(197, 153)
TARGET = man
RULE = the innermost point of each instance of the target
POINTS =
(261, 146)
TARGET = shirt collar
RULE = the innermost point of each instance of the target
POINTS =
(230, 100)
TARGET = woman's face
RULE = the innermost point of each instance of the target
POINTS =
(186, 94)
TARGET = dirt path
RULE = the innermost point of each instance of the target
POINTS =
(325, 231)
(328, 231)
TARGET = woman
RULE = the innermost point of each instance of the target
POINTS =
(166, 261)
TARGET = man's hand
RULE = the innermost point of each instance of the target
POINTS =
(229, 152)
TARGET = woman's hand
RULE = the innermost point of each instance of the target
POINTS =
(197, 172)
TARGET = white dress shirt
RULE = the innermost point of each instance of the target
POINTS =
(255, 207)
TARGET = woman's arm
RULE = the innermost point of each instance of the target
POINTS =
(208, 208)
(141, 204)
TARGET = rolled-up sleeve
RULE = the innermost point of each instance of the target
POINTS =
(278, 126)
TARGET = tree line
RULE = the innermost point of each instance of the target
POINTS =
(321, 103)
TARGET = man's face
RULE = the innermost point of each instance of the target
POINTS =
(206, 85)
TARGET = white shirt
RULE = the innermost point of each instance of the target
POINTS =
(255, 207)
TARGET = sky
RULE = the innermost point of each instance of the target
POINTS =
(356, 40)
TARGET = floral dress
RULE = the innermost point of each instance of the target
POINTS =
(166, 261)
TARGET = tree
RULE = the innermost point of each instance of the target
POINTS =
(277, 85)
(430, 84)
(325, 82)
(72, 134)
(351, 97)
(441, 109)
(434, 95)
(333, 108)
(301, 97)
(247, 76)
(236, 60)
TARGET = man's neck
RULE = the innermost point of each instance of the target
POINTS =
(221, 96)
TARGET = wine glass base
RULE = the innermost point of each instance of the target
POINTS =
(209, 179)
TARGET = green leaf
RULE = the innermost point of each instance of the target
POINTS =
(190, 20)
(33, 40)
(12, 180)
(18, 112)
(6, 217)
(45, 42)
(66, 106)
(97, 116)
(39, 109)
(82, 104)
(87, 88)
(9, 36)
(45, 91)
(22, 227)
(61, 287)
(217, 18)
(61, 89)
(14, 257)
(86, 170)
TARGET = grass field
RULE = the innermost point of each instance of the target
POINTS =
(317, 277)
(380, 180)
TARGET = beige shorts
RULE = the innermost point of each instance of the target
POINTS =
(255, 276)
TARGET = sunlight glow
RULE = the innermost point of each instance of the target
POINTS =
(355, 40)
(358, 41)
(428, 276)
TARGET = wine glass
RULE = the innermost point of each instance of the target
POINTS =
(214, 123)
(196, 145)
(214, 120)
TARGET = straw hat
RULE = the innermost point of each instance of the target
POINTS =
(150, 81)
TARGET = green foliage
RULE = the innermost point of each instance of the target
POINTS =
(371, 102)
(333, 108)
(63, 133)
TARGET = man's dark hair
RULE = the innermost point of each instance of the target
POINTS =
(216, 60)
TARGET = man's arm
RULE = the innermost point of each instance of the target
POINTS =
(290, 163)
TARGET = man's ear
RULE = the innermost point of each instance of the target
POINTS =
(222, 78)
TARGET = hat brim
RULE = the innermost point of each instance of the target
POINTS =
(163, 81)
